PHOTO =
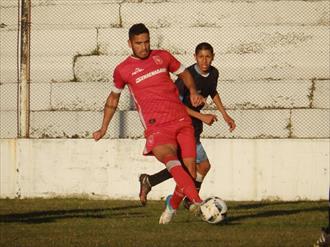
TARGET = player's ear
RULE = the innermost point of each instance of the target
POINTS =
(129, 43)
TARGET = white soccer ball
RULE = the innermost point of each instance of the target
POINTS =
(214, 210)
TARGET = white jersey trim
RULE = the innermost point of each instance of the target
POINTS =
(180, 69)
(116, 90)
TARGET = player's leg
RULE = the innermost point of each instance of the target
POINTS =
(167, 154)
(159, 177)
(187, 144)
(186, 140)
(149, 181)
(184, 184)
(203, 167)
(162, 142)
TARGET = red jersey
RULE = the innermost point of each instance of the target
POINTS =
(156, 96)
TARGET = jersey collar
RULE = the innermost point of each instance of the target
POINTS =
(199, 72)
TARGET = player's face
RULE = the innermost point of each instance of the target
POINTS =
(140, 45)
(204, 60)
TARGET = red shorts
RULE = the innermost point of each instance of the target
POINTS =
(176, 133)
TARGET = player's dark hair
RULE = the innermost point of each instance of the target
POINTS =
(203, 46)
(137, 29)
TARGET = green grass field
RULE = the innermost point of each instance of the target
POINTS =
(83, 222)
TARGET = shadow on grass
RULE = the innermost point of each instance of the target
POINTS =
(261, 204)
(235, 219)
(49, 216)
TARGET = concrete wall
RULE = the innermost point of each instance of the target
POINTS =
(241, 169)
(273, 58)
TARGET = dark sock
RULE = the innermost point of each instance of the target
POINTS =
(159, 177)
(198, 185)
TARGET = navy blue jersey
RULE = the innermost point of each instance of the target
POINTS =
(205, 86)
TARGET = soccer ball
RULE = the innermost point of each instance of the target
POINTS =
(213, 210)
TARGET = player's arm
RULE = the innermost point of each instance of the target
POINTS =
(189, 82)
(108, 112)
(208, 119)
(217, 101)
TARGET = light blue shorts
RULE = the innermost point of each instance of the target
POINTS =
(200, 153)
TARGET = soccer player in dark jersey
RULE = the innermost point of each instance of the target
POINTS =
(164, 117)
(206, 79)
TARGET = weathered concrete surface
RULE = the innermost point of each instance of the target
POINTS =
(44, 124)
(321, 95)
(315, 122)
(221, 13)
(241, 169)
(8, 124)
(273, 58)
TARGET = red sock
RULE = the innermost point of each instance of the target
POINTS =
(176, 198)
(184, 187)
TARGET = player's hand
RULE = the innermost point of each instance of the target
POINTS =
(209, 119)
(197, 99)
(97, 135)
(231, 123)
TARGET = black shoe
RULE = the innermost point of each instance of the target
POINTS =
(187, 203)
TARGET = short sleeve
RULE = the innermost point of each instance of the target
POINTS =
(213, 89)
(118, 81)
(174, 65)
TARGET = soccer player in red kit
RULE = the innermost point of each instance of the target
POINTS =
(164, 117)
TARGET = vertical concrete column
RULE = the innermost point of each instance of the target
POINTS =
(24, 68)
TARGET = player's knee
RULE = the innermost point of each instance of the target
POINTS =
(171, 161)
(189, 161)
(204, 167)
(207, 167)
(168, 158)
